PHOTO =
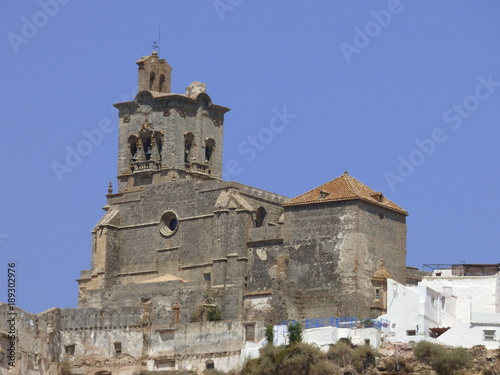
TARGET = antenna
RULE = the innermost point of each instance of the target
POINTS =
(159, 36)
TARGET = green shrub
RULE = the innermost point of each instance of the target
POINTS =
(443, 361)
(294, 333)
(426, 351)
(363, 358)
(398, 365)
(298, 359)
(214, 314)
(340, 353)
(206, 313)
(269, 333)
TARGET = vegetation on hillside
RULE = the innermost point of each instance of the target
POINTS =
(344, 359)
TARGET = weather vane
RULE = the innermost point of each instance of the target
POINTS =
(155, 45)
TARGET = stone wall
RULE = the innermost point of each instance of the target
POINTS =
(36, 343)
(334, 249)
(122, 340)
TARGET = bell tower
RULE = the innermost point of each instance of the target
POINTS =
(165, 136)
(154, 74)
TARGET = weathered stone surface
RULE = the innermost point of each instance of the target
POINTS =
(178, 246)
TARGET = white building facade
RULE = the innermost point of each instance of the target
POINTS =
(451, 309)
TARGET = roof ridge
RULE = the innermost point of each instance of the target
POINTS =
(356, 193)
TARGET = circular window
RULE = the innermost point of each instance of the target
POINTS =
(169, 223)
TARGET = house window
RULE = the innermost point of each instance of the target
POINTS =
(210, 365)
(165, 364)
(377, 293)
(489, 335)
(250, 332)
(411, 332)
(118, 347)
(70, 349)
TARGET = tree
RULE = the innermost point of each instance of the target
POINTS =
(269, 333)
(294, 333)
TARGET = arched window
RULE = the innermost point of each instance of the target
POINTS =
(176, 311)
(188, 145)
(147, 147)
(158, 137)
(260, 215)
(132, 143)
(162, 81)
(151, 80)
(209, 148)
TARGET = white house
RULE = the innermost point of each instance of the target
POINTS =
(451, 306)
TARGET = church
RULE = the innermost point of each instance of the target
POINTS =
(187, 267)
(177, 235)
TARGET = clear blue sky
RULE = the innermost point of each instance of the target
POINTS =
(403, 94)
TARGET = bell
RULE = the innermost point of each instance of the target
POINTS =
(149, 151)
(134, 157)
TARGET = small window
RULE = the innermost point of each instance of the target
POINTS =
(207, 277)
(188, 145)
(158, 140)
(367, 342)
(132, 141)
(377, 293)
(260, 215)
(176, 311)
(411, 332)
(489, 335)
(167, 335)
(148, 151)
(381, 216)
(169, 223)
(69, 349)
(250, 332)
(151, 80)
(162, 81)
(210, 365)
(118, 347)
(165, 364)
(209, 149)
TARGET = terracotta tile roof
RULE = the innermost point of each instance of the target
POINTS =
(344, 188)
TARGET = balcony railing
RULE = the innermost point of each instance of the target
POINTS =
(144, 166)
(200, 168)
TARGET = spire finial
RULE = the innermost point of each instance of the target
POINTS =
(155, 47)
(110, 188)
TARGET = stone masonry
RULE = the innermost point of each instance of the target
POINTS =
(186, 267)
